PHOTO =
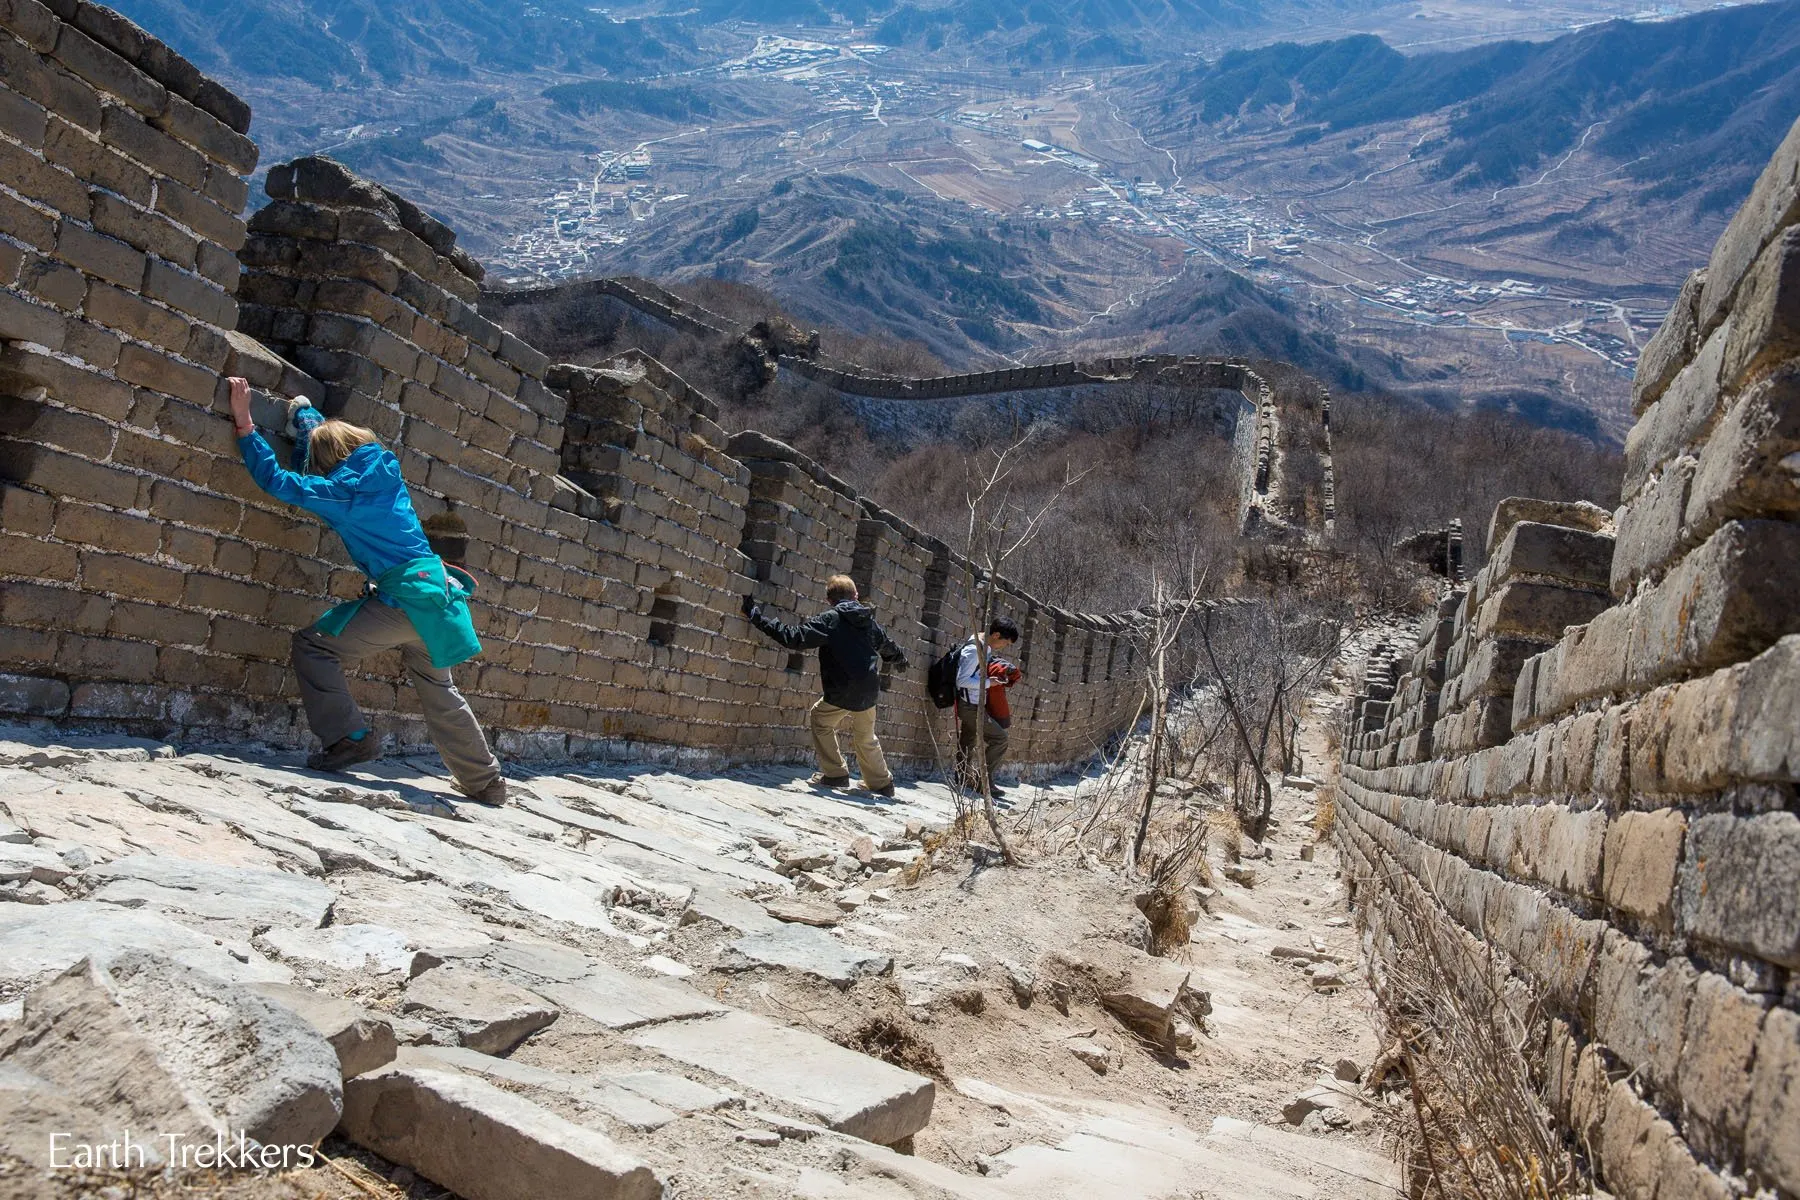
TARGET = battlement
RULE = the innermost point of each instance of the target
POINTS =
(611, 524)
(1240, 404)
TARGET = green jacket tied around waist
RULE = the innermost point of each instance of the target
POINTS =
(434, 596)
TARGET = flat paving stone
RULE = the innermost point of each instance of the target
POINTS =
(617, 1000)
(619, 1103)
(805, 949)
(727, 909)
(558, 901)
(675, 1091)
(220, 893)
(484, 1143)
(846, 1091)
(486, 1014)
(36, 941)
(353, 947)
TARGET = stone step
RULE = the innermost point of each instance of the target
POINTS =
(483, 1143)
(617, 1000)
(808, 950)
(486, 1013)
(846, 1091)
(615, 1102)
(364, 1041)
(245, 895)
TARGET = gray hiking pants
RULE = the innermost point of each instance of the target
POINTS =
(333, 714)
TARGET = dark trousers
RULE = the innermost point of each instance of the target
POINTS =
(993, 733)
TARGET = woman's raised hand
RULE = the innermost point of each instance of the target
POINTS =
(240, 405)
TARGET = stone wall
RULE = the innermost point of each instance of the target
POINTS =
(610, 523)
(1238, 403)
(1589, 756)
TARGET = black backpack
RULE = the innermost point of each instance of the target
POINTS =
(940, 681)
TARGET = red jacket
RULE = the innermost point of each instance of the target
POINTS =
(1001, 675)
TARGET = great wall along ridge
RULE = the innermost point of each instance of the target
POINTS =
(1588, 759)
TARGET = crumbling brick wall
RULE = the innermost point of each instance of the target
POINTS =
(1589, 756)
(146, 582)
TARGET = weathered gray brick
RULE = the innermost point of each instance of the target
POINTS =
(103, 68)
(1774, 204)
(1723, 1023)
(1737, 884)
(1724, 603)
(1651, 527)
(1640, 1007)
(1679, 420)
(1772, 1132)
(1643, 855)
(1751, 464)
(1672, 347)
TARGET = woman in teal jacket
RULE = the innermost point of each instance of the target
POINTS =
(413, 602)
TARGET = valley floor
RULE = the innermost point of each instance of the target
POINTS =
(640, 910)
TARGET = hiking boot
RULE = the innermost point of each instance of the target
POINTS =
(345, 753)
(493, 795)
(829, 781)
(887, 790)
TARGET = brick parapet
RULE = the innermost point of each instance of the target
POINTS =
(1588, 757)
(611, 527)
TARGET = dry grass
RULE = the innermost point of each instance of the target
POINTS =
(893, 1042)
(1467, 1031)
(1227, 832)
(1324, 815)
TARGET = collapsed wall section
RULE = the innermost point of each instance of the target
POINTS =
(147, 583)
(1589, 757)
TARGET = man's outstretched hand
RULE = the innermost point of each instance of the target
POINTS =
(240, 405)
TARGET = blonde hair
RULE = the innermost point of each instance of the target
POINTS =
(332, 441)
(839, 588)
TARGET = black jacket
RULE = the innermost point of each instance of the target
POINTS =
(849, 644)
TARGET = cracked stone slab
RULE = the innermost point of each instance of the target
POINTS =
(202, 1055)
(617, 1000)
(727, 909)
(625, 1105)
(38, 940)
(486, 1013)
(363, 1041)
(245, 894)
(845, 1091)
(479, 1141)
(32, 864)
(807, 950)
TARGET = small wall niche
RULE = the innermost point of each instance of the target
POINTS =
(665, 616)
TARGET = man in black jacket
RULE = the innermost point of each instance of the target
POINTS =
(851, 646)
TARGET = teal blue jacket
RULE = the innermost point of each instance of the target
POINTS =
(434, 596)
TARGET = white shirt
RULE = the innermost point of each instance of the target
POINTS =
(968, 672)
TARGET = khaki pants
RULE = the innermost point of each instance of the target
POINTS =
(994, 739)
(333, 714)
(826, 721)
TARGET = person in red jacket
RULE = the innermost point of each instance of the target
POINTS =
(1003, 635)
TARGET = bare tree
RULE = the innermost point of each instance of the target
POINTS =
(1260, 668)
(999, 526)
